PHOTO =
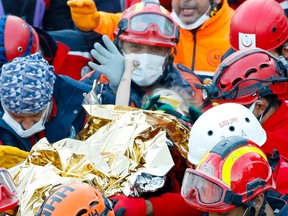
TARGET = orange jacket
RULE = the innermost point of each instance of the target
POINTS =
(200, 51)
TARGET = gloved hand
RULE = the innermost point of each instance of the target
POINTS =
(11, 156)
(84, 14)
(128, 206)
(112, 62)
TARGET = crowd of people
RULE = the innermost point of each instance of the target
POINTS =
(218, 66)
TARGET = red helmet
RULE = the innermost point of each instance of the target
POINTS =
(19, 38)
(8, 198)
(76, 199)
(234, 172)
(148, 23)
(246, 75)
(259, 23)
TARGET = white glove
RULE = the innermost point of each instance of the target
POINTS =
(111, 60)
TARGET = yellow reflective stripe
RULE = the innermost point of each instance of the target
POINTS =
(139, 7)
(233, 157)
(202, 159)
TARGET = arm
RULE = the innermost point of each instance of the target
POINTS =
(123, 91)
(166, 204)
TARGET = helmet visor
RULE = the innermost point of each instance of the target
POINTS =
(141, 23)
(6, 180)
(206, 193)
(206, 189)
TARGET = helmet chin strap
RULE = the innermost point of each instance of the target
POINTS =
(249, 211)
(265, 111)
(250, 207)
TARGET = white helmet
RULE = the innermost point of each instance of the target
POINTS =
(229, 119)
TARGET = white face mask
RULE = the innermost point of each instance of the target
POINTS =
(150, 69)
(191, 26)
(37, 127)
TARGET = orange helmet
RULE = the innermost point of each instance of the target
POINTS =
(18, 38)
(234, 172)
(76, 199)
(246, 75)
(259, 23)
(148, 23)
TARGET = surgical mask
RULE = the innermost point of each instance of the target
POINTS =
(37, 127)
(150, 69)
(194, 25)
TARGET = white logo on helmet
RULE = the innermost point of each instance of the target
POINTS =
(207, 168)
(247, 41)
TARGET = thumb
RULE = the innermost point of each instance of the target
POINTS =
(71, 3)
(94, 66)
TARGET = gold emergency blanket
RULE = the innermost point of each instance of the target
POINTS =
(116, 146)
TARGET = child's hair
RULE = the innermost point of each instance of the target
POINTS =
(175, 93)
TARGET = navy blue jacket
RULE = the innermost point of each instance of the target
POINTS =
(70, 117)
(279, 206)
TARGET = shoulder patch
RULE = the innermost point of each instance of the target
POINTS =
(214, 57)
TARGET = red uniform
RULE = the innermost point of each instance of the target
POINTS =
(276, 128)
(280, 175)
(168, 203)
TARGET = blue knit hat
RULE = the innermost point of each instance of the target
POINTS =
(26, 84)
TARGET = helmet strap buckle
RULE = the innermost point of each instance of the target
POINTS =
(232, 198)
